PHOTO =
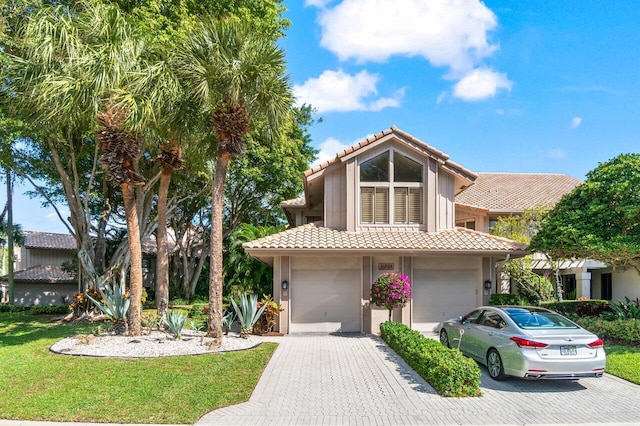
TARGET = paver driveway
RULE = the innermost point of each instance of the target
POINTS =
(357, 379)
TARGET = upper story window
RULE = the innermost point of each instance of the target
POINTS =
(391, 188)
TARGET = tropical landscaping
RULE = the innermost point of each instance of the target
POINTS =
(156, 119)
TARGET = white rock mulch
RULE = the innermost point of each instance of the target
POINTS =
(154, 344)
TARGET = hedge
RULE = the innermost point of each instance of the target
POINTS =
(36, 309)
(447, 370)
(579, 308)
(623, 332)
(499, 299)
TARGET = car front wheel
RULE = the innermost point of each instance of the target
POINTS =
(444, 338)
(494, 365)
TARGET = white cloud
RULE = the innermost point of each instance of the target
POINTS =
(480, 84)
(441, 97)
(451, 33)
(557, 153)
(500, 111)
(328, 150)
(575, 122)
(339, 91)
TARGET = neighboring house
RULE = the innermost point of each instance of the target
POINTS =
(383, 205)
(505, 194)
(38, 277)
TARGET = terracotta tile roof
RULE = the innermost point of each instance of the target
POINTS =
(436, 153)
(49, 240)
(513, 192)
(315, 237)
(295, 202)
(43, 274)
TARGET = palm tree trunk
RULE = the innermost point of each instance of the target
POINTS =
(162, 267)
(10, 238)
(135, 267)
(214, 328)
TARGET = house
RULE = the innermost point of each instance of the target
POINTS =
(385, 204)
(505, 194)
(39, 277)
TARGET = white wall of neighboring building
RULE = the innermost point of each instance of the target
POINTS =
(623, 284)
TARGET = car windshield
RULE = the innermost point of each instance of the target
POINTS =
(529, 319)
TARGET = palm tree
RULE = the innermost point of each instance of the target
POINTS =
(234, 76)
(84, 71)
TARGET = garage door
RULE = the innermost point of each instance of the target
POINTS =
(439, 295)
(325, 300)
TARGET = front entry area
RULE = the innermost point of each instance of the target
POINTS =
(326, 295)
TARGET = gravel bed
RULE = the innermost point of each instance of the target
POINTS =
(153, 344)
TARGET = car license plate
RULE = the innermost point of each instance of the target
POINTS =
(568, 350)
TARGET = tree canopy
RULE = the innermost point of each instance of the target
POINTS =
(599, 219)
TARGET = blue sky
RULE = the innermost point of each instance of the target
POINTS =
(514, 86)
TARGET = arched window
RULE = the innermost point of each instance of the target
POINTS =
(391, 188)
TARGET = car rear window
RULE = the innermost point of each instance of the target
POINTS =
(539, 319)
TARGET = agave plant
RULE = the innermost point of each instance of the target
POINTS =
(174, 322)
(227, 321)
(247, 312)
(115, 306)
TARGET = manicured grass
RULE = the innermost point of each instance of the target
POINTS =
(624, 362)
(36, 384)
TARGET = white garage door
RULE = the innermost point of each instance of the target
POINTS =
(325, 300)
(439, 295)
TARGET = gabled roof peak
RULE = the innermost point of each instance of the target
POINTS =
(435, 153)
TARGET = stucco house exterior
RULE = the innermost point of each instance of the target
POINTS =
(505, 194)
(386, 204)
(38, 277)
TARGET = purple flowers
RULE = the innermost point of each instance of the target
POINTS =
(391, 290)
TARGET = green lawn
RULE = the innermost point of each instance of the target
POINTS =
(36, 384)
(624, 362)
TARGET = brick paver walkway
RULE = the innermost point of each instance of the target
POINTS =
(358, 380)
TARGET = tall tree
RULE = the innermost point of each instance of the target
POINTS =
(599, 219)
(80, 72)
(233, 75)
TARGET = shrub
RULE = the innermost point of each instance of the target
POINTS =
(174, 321)
(248, 313)
(620, 331)
(114, 305)
(197, 309)
(268, 319)
(228, 319)
(48, 309)
(81, 302)
(447, 370)
(498, 299)
(36, 309)
(579, 308)
(629, 309)
(391, 290)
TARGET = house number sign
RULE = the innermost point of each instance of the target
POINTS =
(385, 266)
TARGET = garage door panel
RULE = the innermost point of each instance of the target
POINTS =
(325, 301)
(439, 295)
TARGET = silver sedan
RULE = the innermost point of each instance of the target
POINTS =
(529, 342)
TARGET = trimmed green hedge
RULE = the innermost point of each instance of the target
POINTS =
(447, 370)
(498, 299)
(581, 308)
(36, 309)
(624, 332)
